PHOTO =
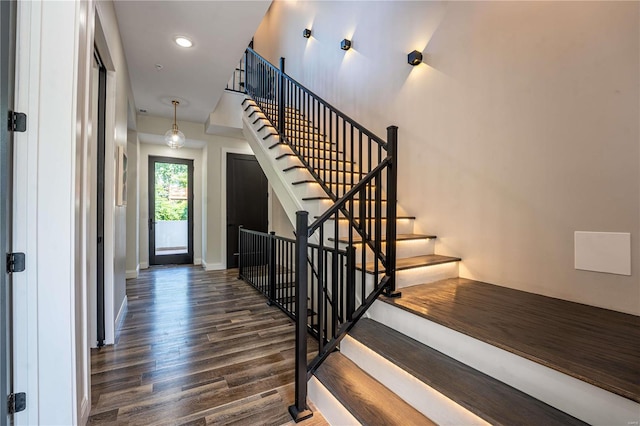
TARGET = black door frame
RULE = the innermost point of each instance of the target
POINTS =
(100, 194)
(183, 258)
(7, 82)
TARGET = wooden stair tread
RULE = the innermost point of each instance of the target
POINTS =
(357, 239)
(318, 197)
(365, 398)
(412, 262)
(596, 345)
(372, 218)
(479, 393)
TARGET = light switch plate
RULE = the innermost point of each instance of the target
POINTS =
(608, 252)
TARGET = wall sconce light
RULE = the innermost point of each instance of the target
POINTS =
(414, 58)
(345, 44)
(306, 33)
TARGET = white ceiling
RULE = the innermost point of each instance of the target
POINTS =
(197, 76)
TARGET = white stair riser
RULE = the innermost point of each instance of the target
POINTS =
(407, 248)
(419, 395)
(403, 226)
(586, 402)
(332, 410)
(422, 275)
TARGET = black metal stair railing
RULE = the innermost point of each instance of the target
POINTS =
(267, 262)
(352, 245)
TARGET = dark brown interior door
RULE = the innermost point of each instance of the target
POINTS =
(247, 198)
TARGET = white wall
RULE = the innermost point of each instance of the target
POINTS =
(278, 220)
(133, 205)
(52, 181)
(118, 95)
(521, 126)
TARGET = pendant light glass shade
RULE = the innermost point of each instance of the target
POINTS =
(174, 137)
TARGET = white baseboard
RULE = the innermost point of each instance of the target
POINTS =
(214, 267)
(122, 313)
(197, 261)
(83, 418)
(133, 273)
(144, 265)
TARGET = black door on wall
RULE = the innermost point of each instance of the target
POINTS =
(247, 200)
(7, 43)
(170, 211)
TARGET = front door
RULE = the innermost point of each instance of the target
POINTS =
(7, 52)
(247, 200)
(170, 211)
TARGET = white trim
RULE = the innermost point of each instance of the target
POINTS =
(582, 400)
(85, 409)
(144, 265)
(25, 285)
(122, 313)
(214, 266)
(197, 261)
(223, 202)
(133, 273)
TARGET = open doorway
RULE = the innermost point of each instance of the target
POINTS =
(170, 211)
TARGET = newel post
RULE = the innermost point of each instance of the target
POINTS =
(281, 97)
(300, 411)
(392, 214)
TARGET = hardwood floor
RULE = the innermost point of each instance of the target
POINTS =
(196, 348)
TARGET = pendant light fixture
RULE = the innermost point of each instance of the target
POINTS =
(174, 137)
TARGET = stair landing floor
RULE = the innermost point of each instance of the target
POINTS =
(598, 346)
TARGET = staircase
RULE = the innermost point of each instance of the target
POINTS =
(431, 356)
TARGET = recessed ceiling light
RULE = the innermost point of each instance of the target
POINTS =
(183, 41)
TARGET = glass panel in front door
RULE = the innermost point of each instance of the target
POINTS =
(171, 208)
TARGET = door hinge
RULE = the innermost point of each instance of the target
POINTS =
(17, 121)
(15, 262)
(16, 402)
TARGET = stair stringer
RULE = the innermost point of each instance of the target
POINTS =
(281, 184)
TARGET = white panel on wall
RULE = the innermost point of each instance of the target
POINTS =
(608, 252)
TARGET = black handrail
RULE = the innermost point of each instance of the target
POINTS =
(352, 165)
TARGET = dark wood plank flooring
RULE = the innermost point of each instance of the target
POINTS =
(479, 393)
(196, 348)
(596, 345)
